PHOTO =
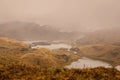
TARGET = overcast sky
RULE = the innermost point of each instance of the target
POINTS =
(73, 14)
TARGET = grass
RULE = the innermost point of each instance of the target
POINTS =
(15, 51)
(24, 72)
(19, 62)
(105, 52)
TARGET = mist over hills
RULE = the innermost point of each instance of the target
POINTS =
(102, 44)
(59, 39)
(32, 31)
(106, 35)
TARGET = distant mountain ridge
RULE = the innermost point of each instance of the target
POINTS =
(33, 31)
(108, 35)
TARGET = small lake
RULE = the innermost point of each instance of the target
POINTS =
(85, 62)
(57, 45)
(118, 67)
(54, 46)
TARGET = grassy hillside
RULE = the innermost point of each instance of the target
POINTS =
(109, 53)
(6, 43)
(49, 58)
(19, 62)
(23, 72)
(102, 44)
(13, 51)
(107, 35)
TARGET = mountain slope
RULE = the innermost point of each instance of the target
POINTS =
(33, 31)
(13, 51)
(105, 52)
(6, 43)
(109, 35)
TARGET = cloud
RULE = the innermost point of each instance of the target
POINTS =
(80, 14)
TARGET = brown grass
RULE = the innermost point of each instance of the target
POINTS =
(23, 72)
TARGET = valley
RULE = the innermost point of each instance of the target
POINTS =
(59, 39)
(19, 61)
(48, 52)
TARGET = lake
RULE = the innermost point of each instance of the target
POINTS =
(118, 67)
(54, 46)
(85, 62)
(51, 45)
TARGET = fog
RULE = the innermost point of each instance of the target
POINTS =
(66, 14)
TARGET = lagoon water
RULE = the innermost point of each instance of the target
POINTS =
(54, 46)
(118, 67)
(85, 62)
(51, 46)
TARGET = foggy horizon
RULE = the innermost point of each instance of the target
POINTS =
(59, 39)
(66, 14)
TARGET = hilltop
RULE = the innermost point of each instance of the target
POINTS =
(32, 31)
(7, 43)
